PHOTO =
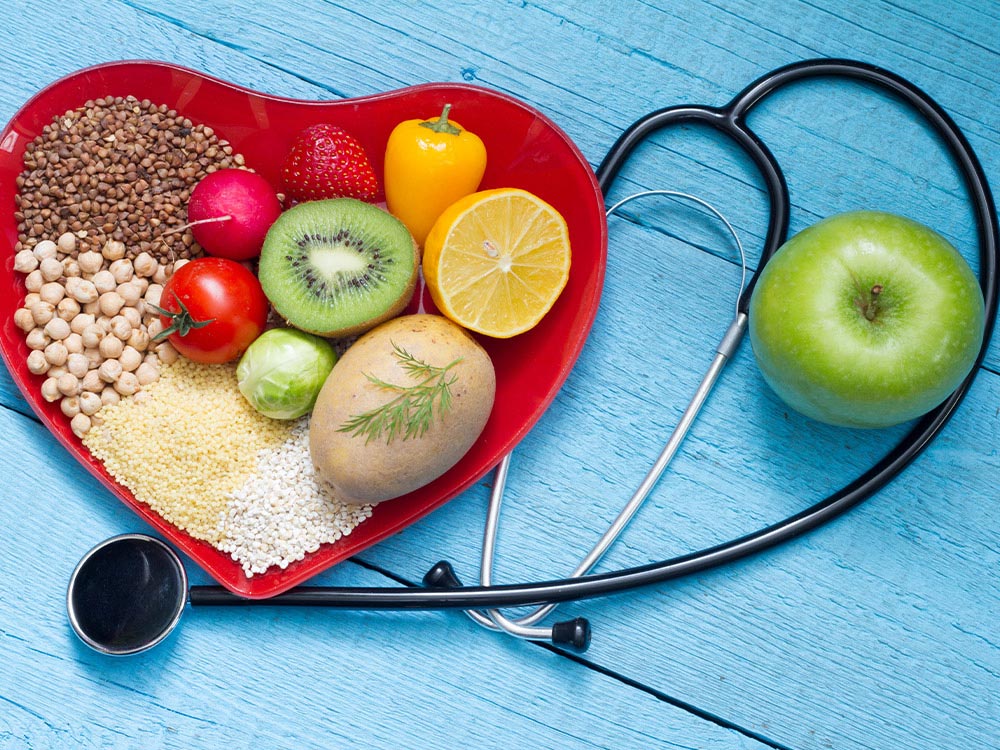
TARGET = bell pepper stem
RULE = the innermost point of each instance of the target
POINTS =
(441, 124)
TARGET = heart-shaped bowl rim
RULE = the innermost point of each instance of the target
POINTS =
(525, 149)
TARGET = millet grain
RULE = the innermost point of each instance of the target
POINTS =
(188, 442)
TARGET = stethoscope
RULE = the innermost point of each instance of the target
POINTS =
(129, 592)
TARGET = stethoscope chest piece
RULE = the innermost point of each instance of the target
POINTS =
(127, 594)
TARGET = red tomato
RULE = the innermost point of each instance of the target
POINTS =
(214, 308)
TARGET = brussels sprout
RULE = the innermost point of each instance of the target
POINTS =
(280, 374)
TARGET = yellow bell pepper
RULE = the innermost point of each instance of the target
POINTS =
(430, 164)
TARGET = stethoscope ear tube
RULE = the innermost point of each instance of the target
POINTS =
(730, 120)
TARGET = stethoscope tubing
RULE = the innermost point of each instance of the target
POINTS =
(730, 120)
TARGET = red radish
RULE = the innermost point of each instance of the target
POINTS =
(230, 211)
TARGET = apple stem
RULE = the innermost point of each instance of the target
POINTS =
(869, 307)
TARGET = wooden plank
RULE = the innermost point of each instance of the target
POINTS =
(873, 633)
(283, 677)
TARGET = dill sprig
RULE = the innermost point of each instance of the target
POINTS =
(410, 413)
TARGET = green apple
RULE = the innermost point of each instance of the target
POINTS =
(866, 319)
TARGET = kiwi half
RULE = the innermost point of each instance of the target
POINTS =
(338, 267)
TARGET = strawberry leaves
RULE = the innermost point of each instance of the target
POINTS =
(328, 162)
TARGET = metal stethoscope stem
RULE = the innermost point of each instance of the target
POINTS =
(523, 627)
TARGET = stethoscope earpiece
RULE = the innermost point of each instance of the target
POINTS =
(441, 576)
(574, 634)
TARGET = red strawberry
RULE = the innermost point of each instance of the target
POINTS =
(327, 162)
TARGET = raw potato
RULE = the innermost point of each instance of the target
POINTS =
(360, 471)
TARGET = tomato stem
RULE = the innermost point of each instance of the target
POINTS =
(181, 322)
(441, 124)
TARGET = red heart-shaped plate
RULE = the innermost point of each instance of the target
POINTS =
(525, 150)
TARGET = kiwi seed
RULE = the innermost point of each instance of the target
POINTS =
(338, 267)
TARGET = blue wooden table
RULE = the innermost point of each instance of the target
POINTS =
(877, 631)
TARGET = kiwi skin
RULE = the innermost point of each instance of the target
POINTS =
(337, 318)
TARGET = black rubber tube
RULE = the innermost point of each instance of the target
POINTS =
(730, 120)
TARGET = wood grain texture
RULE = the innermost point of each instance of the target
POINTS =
(274, 677)
(878, 631)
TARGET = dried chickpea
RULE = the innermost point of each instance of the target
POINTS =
(36, 339)
(129, 291)
(121, 327)
(90, 262)
(23, 319)
(122, 270)
(161, 274)
(130, 359)
(70, 405)
(45, 249)
(91, 382)
(80, 424)
(110, 396)
(144, 264)
(69, 384)
(51, 269)
(80, 323)
(104, 281)
(147, 373)
(25, 261)
(133, 315)
(92, 335)
(90, 403)
(33, 281)
(138, 339)
(50, 389)
(73, 343)
(67, 242)
(154, 328)
(42, 312)
(37, 363)
(166, 352)
(68, 308)
(111, 347)
(83, 291)
(52, 292)
(153, 294)
(77, 365)
(57, 371)
(127, 384)
(71, 269)
(57, 329)
(56, 353)
(110, 370)
(31, 298)
(93, 308)
(94, 358)
(111, 303)
(113, 250)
